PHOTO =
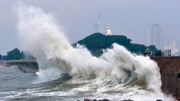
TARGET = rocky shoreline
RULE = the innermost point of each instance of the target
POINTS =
(25, 66)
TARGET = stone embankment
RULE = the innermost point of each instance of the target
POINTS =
(170, 74)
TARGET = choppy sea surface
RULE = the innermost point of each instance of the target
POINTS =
(15, 85)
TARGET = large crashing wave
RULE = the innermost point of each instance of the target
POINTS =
(116, 70)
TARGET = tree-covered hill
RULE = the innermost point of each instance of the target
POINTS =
(16, 54)
(97, 41)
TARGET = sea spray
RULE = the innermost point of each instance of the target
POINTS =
(144, 67)
(117, 70)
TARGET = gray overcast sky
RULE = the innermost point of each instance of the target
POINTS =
(131, 18)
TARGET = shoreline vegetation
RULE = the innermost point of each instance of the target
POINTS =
(17, 55)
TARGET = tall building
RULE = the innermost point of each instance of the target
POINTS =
(156, 36)
(148, 38)
(98, 26)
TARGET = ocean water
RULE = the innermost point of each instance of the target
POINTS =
(16, 85)
(69, 74)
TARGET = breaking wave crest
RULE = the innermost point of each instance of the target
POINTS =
(117, 70)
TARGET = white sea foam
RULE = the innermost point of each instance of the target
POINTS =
(117, 70)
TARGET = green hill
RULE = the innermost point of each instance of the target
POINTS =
(97, 41)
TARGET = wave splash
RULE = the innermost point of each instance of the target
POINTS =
(117, 70)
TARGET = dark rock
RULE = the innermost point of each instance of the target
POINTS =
(25, 66)
(159, 100)
(87, 100)
(105, 100)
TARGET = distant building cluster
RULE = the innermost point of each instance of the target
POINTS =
(171, 44)
(155, 37)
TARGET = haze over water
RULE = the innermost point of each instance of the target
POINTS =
(68, 73)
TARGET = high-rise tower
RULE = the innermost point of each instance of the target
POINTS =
(156, 36)
(109, 32)
(148, 38)
(98, 26)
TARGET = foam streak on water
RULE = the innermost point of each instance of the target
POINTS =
(117, 74)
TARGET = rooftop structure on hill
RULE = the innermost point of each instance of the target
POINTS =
(147, 52)
(109, 32)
